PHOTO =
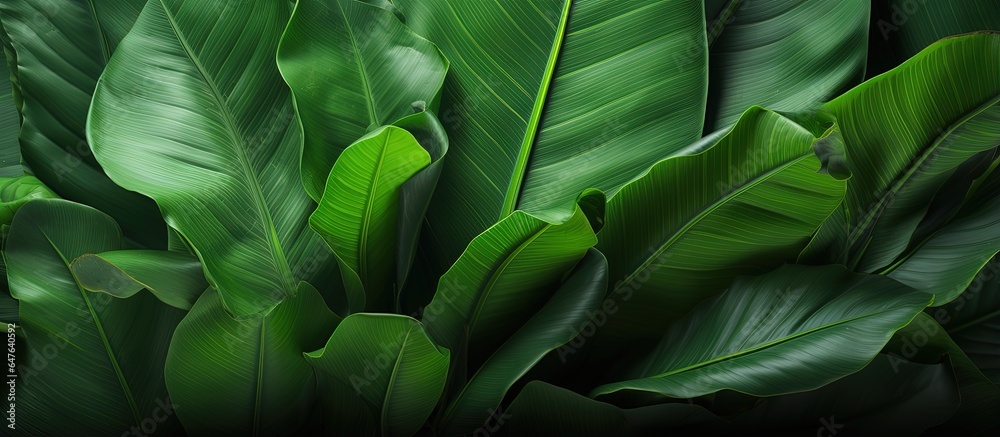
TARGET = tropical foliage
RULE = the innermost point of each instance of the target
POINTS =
(454, 217)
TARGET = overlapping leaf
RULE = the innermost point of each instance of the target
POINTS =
(92, 365)
(532, 133)
(358, 212)
(559, 321)
(379, 373)
(684, 230)
(62, 48)
(247, 377)
(904, 141)
(352, 66)
(783, 55)
(794, 329)
(174, 278)
(202, 123)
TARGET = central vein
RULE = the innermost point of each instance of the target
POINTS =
(520, 168)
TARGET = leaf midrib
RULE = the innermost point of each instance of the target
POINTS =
(126, 390)
(705, 212)
(521, 165)
(373, 117)
(260, 205)
(105, 47)
(366, 219)
(384, 420)
(763, 346)
(488, 288)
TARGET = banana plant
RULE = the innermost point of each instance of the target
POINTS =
(517, 217)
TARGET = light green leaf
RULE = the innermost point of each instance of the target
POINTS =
(19, 190)
(62, 48)
(352, 66)
(783, 55)
(358, 214)
(201, 122)
(90, 364)
(247, 377)
(681, 232)
(174, 278)
(534, 132)
(794, 329)
(382, 367)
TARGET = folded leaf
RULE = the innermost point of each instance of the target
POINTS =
(79, 345)
(794, 329)
(549, 98)
(202, 123)
(247, 377)
(174, 278)
(559, 321)
(352, 66)
(415, 195)
(904, 142)
(359, 212)
(783, 55)
(62, 48)
(681, 232)
(380, 367)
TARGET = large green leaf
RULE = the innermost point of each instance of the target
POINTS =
(352, 66)
(174, 278)
(247, 377)
(685, 229)
(783, 55)
(192, 112)
(358, 214)
(925, 341)
(92, 365)
(545, 409)
(794, 329)
(382, 368)
(887, 396)
(62, 48)
(559, 321)
(903, 141)
(546, 98)
(902, 28)
(502, 278)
